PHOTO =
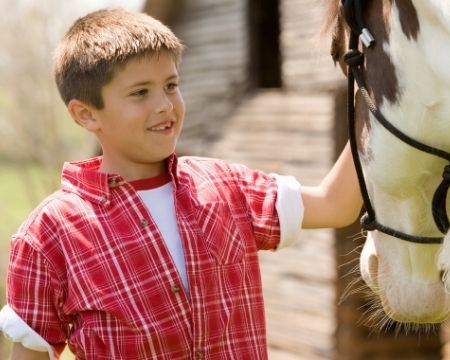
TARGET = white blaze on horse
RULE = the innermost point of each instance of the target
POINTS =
(406, 70)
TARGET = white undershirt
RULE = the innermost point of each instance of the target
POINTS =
(160, 204)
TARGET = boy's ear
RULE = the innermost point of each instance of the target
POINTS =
(83, 114)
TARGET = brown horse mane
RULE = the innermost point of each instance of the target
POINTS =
(334, 23)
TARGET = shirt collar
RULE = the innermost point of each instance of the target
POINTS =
(84, 179)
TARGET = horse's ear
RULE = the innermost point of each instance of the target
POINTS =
(337, 40)
(334, 50)
(333, 24)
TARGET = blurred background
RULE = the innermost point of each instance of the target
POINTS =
(260, 89)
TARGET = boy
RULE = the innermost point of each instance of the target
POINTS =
(142, 255)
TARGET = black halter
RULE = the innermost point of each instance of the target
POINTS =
(355, 62)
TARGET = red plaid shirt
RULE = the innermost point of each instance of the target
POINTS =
(90, 267)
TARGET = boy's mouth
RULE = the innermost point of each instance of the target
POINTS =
(163, 126)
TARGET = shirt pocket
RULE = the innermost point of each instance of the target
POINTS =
(222, 235)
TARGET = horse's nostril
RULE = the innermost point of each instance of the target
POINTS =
(442, 275)
(373, 266)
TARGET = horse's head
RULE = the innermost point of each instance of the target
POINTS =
(408, 81)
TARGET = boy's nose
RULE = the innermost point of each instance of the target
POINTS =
(164, 104)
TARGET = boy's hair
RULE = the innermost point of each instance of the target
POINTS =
(100, 43)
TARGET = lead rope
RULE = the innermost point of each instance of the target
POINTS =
(355, 60)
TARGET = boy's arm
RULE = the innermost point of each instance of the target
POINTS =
(337, 201)
(19, 352)
(32, 295)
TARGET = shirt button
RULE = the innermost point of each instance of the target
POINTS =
(114, 182)
(200, 354)
(144, 223)
(175, 289)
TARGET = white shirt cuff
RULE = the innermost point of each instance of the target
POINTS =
(17, 330)
(290, 209)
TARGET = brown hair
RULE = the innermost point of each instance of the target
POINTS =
(101, 42)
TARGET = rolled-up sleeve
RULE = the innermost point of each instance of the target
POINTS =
(290, 209)
(275, 206)
(18, 331)
(32, 301)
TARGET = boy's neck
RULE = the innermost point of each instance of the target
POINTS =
(135, 172)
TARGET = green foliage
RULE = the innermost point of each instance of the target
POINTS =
(21, 189)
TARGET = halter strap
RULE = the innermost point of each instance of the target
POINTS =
(355, 60)
(353, 13)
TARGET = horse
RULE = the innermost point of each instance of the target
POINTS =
(401, 109)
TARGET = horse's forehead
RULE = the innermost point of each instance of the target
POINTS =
(409, 19)
(407, 12)
(381, 72)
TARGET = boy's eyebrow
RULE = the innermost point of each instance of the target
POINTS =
(144, 83)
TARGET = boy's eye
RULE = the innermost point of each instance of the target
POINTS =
(172, 86)
(140, 92)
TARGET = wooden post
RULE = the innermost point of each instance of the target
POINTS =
(166, 11)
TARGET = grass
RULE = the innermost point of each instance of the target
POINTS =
(21, 189)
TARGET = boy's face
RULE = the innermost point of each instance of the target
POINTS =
(142, 117)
